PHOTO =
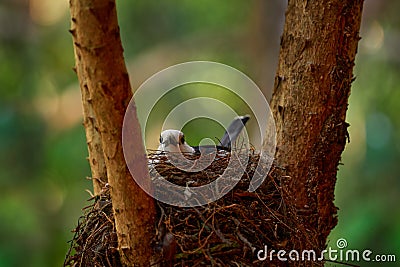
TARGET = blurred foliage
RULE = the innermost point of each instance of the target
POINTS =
(43, 168)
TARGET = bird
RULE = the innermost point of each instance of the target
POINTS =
(174, 140)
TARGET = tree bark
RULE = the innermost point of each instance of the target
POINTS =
(93, 140)
(106, 92)
(310, 99)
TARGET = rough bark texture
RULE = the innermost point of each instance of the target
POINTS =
(310, 99)
(106, 93)
(93, 140)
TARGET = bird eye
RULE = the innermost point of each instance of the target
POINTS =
(182, 139)
(161, 139)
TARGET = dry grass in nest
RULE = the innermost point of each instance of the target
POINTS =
(227, 232)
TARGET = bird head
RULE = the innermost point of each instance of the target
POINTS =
(174, 141)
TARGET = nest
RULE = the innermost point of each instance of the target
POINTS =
(227, 232)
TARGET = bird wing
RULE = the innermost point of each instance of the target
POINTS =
(208, 149)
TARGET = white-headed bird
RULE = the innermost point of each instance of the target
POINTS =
(174, 140)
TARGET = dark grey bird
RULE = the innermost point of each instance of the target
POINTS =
(174, 140)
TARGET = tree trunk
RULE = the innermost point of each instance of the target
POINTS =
(106, 92)
(310, 98)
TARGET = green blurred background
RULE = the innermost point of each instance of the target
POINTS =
(43, 168)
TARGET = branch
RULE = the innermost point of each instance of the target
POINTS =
(312, 86)
(106, 92)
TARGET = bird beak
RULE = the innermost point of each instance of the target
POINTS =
(169, 141)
